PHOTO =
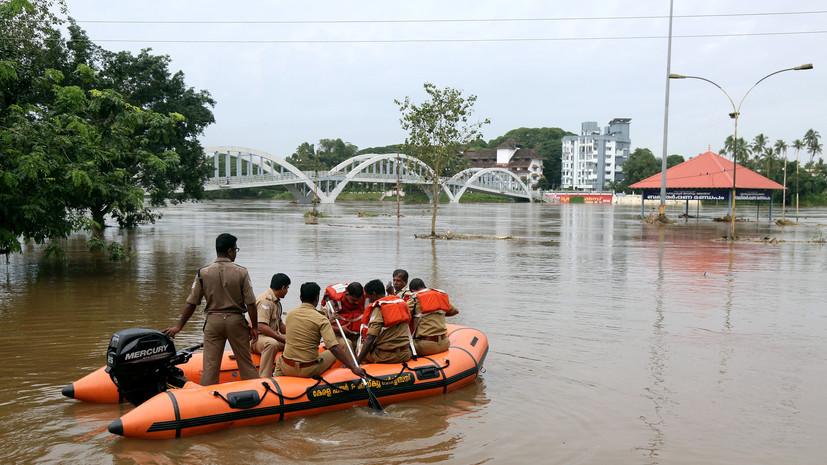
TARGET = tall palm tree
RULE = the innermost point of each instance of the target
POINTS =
(815, 149)
(759, 144)
(798, 144)
(811, 140)
(769, 157)
(781, 147)
(742, 149)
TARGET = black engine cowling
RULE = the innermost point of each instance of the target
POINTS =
(141, 363)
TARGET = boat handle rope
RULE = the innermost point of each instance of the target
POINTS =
(404, 367)
(320, 379)
(267, 389)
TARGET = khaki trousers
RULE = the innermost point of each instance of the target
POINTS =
(268, 347)
(219, 328)
(398, 355)
(351, 339)
(424, 347)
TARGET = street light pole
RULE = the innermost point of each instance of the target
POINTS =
(734, 115)
(662, 207)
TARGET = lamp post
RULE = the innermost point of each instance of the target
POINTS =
(734, 115)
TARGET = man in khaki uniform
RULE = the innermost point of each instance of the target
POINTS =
(429, 308)
(228, 290)
(270, 325)
(305, 326)
(386, 330)
(399, 285)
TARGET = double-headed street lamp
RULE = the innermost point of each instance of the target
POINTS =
(734, 115)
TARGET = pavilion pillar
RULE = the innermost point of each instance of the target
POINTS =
(642, 210)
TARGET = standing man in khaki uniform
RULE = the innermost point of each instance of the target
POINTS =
(385, 327)
(305, 327)
(270, 325)
(429, 308)
(228, 290)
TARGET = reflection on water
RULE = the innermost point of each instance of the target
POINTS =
(611, 341)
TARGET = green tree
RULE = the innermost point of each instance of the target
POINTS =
(673, 160)
(762, 152)
(743, 149)
(29, 46)
(759, 143)
(381, 150)
(331, 152)
(797, 145)
(811, 140)
(640, 165)
(779, 148)
(146, 81)
(304, 158)
(85, 153)
(439, 129)
(88, 132)
(547, 144)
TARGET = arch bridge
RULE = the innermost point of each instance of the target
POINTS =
(240, 167)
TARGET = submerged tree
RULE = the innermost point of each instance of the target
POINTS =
(439, 129)
(86, 133)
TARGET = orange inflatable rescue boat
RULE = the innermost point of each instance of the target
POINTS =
(98, 386)
(194, 409)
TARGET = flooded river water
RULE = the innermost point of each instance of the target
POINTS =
(611, 340)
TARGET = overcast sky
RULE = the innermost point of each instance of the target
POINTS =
(284, 73)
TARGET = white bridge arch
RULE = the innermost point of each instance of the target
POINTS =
(489, 180)
(244, 167)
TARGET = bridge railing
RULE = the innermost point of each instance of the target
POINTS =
(260, 168)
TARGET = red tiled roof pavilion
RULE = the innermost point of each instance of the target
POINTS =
(708, 171)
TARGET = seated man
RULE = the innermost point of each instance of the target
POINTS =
(305, 326)
(349, 303)
(385, 329)
(270, 326)
(399, 285)
(429, 308)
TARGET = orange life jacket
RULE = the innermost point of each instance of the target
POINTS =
(349, 315)
(432, 300)
(394, 311)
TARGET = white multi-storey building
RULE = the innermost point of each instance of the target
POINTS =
(592, 160)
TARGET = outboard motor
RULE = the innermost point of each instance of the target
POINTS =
(141, 363)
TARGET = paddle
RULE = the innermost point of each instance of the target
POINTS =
(372, 400)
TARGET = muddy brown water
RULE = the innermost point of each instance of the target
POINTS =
(611, 340)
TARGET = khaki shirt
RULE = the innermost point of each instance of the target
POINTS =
(394, 337)
(404, 292)
(430, 324)
(268, 309)
(305, 326)
(226, 286)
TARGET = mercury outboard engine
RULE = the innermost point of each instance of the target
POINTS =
(141, 363)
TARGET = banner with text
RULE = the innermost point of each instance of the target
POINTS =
(711, 194)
